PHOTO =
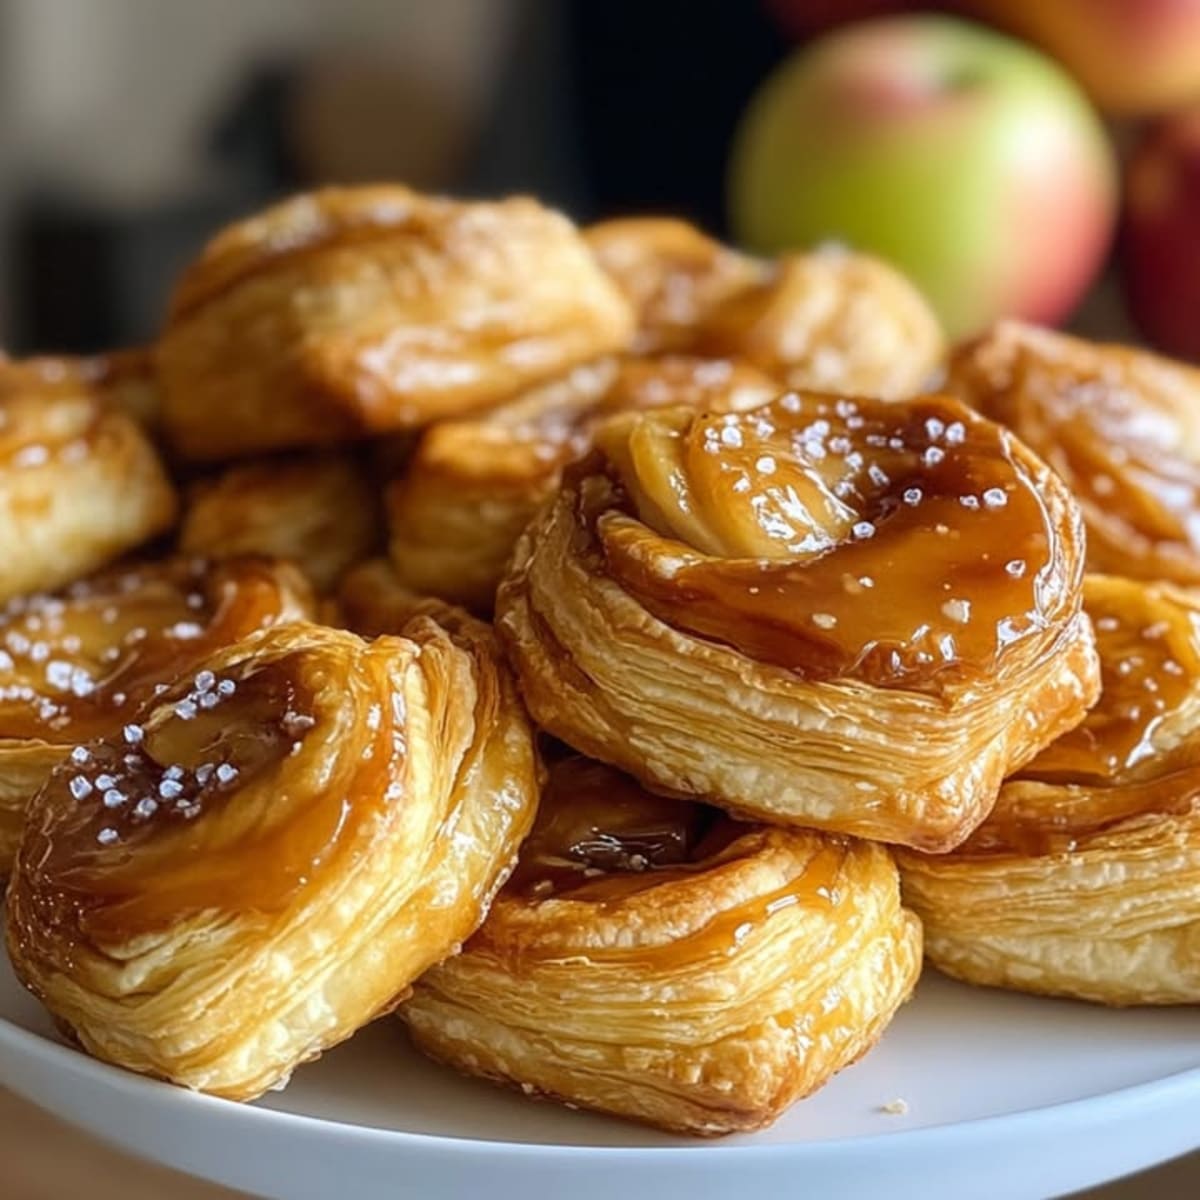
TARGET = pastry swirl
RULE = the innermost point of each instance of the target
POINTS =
(1085, 879)
(848, 614)
(298, 830)
(316, 510)
(80, 483)
(828, 320)
(658, 960)
(473, 484)
(82, 663)
(357, 311)
(1120, 426)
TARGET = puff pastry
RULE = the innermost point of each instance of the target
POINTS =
(829, 320)
(473, 484)
(1085, 879)
(123, 379)
(81, 664)
(80, 483)
(354, 311)
(299, 830)
(1121, 426)
(660, 961)
(848, 614)
(318, 510)
(673, 275)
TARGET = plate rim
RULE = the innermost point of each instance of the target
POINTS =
(26, 1043)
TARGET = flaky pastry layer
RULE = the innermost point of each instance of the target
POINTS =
(669, 965)
(680, 637)
(1085, 879)
(296, 832)
(356, 311)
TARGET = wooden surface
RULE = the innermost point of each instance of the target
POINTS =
(41, 1159)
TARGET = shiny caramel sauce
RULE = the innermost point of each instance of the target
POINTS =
(74, 664)
(535, 436)
(1119, 424)
(1149, 646)
(906, 544)
(601, 839)
(1124, 761)
(1117, 447)
(197, 809)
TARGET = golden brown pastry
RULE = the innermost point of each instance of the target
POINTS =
(673, 275)
(848, 614)
(473, 484)
(833, 321)
(828, 320)
(318, 510)
(83, 663)
(1120, 426)
(1085, 880)
(266, 871)
(658, 960)
(354, 311)
(123, 379)
(80, 484)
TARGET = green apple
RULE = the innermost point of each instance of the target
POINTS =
(968, 160)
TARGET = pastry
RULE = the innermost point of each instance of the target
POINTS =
(80, 484)
(1121, 426)
(123, 379)
(673, 275)
(833, 321)
(473, 484)
(658, 960)
(1085, 879)
(318, 510)
(356, 311)
(848, 614)
(828, 320)
(81, 663)
(299, 829)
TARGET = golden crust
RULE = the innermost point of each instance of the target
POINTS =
(832, 321)
(281, 864)
(80, 484)
(124, 379)
(697, 605)
(657, 961)
(354, 311)
(828, 320)
(1121, 426)
(472, 485)
(673, 275)
(81, 664)
(1085, 879)
(319, 511)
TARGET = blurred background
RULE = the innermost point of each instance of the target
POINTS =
(131, 129)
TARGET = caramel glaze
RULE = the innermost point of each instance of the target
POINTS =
(1125, 761)
(906, 544)
(531, 439)
(601, 840)
(214, 806)
(74, 665)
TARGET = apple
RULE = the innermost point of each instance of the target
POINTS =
(971, 162)
(1160, 252)
(1132, 56)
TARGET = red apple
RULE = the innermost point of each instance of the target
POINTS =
(1161, 247)
(1132, 56)
(968, 160)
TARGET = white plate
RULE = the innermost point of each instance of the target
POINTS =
(1008, 1097)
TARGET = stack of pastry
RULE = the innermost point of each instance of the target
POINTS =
(767, 657)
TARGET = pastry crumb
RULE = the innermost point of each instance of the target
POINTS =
(895, 1108)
